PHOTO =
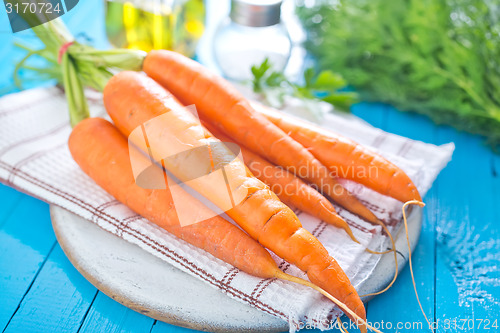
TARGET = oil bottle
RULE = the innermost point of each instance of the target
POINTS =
(155, 24)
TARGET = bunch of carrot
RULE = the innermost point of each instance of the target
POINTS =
(268, 141)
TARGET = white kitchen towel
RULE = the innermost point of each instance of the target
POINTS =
(35, 159)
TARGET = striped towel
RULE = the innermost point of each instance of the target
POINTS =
(34, 158)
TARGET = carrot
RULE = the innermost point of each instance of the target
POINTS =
(290, 189)
(217, 101)
(136, 103)
(101, 150)
(297, 194)
(345, 157)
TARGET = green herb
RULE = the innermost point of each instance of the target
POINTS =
(436, 57)
(274, 87)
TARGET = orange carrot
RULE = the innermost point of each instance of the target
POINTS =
(290, 189)
(220, 103)
(103, 153)
(345, 157)
(136, 102)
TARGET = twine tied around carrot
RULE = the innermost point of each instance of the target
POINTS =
(62, 50)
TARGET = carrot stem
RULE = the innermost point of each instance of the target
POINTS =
(82, 66)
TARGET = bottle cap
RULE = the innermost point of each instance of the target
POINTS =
(256, 13)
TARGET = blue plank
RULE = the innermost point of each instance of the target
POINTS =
(9, 198)
(493, 288)
(483, 276)
(411, 125)
(401, 296)
(495, 184)
(107, 315)
(374, 113)
(468, 218)
(58, 301)
(25, 241)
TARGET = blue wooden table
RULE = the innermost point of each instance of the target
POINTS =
(456, 262)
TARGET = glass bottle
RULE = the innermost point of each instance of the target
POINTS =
(155, 24)
(252, 32)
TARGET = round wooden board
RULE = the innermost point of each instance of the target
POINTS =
(146, 284)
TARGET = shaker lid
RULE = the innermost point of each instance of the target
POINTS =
(256, 13)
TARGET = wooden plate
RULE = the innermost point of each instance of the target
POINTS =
(144, 283)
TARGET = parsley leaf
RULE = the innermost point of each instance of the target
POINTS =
(274, 86)
(439, 58)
